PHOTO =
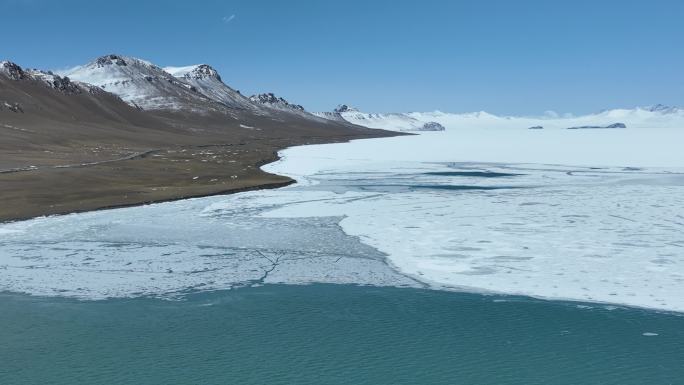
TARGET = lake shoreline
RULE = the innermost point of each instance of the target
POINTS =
(131, 181)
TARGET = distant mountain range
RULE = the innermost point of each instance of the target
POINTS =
(128, 101)
(113, 79)
(199, 89)
(657, 116)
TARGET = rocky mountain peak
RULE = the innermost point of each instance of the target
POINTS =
(203, 71)
(272, 100)
(12, 70)
(120, 63)
(194, 72)
(344, 108)
(62, 84)
(431, 126)
(661, 108)
(110, 60)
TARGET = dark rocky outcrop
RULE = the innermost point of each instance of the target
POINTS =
(614, 125)
(344, 108)
(204, 71)
(272, 100)
(14, 107)
(432, 126)
(109, 60)
(61, 84)
(12, 70)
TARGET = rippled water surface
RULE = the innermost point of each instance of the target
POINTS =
(335, 334)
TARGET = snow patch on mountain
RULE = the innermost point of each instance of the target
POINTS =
(197, 71)
(207, 81)
(140, 83)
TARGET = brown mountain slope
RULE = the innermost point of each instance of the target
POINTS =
(74, 147)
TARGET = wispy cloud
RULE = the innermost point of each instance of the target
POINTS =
(228, 19)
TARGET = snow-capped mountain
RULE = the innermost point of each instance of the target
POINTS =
(196, 88)
(115, 91)
(142, 84)
(393, 121)
(207, 81)
(657, 116)
(54, 105)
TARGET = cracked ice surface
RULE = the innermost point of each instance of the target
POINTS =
(450, 210)
(607, 231)
(172, 248)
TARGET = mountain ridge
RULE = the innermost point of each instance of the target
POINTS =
(654, 116)
(121, 131)
(207, 81)
(141, 84)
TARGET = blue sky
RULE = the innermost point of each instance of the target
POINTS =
(505, 57)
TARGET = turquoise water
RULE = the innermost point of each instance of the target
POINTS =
(334, 334)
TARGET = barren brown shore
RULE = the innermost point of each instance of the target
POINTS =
(80, 152)
(158, 175)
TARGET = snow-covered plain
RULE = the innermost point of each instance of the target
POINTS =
(657, 116)
(588, 215)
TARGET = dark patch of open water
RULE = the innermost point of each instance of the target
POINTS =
(477, 174)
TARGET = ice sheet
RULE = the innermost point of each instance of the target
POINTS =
(608, 231)
(169, 249)
(552, 214)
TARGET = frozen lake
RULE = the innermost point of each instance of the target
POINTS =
(458, 211)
